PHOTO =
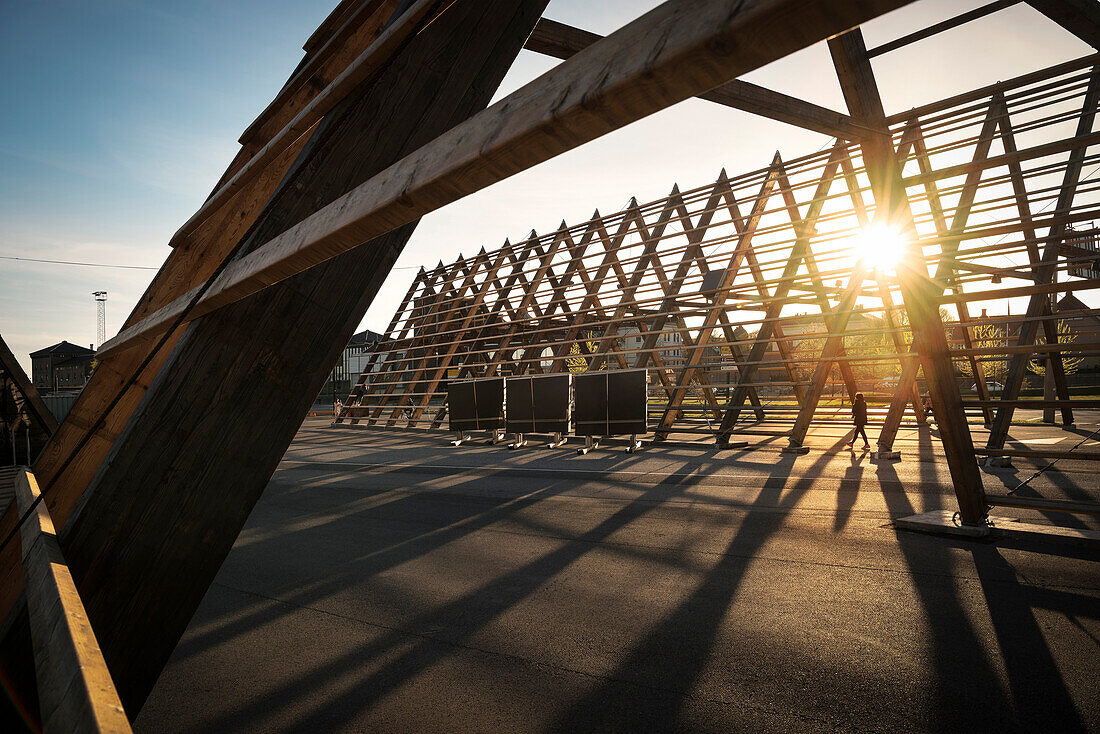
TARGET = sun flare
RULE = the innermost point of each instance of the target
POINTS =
(879, 246)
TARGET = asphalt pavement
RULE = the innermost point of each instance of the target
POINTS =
(389, 582)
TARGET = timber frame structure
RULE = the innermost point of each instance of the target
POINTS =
(176, 435)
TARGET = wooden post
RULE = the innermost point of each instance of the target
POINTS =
(919, 292)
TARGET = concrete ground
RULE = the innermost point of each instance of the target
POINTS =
(389, 582)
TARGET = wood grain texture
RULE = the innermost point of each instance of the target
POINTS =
(75, 690)
(561, 41)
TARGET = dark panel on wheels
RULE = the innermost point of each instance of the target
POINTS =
(538, 404)
(610, 403)
(626, 402)
(489, 403)
(461, 414)
(551, 398)
(590, 403)
(520, 415)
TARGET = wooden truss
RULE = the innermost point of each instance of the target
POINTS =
(707, 287)
(745, 290)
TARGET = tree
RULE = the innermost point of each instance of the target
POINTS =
(1070, 364)
(992, 338)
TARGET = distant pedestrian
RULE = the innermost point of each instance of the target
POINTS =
(928, 406)
(859, 418)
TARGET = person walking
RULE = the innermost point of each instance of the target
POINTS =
(859, 418)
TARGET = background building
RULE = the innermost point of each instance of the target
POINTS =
(64, 366)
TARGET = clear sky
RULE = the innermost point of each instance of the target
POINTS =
(121, 115)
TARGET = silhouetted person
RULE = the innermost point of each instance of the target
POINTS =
(928, 406)
(859, 418)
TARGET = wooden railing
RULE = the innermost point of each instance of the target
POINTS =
(75, 690)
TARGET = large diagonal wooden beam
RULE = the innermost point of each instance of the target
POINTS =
(120, 381)
(920, 293)
(205, 477)
(945, 271)
(675, 51)
(562, 41)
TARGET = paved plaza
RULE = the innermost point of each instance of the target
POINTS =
(389, 582)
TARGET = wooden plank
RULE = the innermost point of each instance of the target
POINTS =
(940, 27)
(358, 29)
(667, 55)
(989, 90)
(1042, 504)
(75, 690)
(561, 41)
(366, 64)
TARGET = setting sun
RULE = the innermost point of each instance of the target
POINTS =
(880, 246)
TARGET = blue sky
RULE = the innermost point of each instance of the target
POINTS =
(121, 117)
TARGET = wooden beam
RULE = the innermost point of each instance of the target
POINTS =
(562, 41)
(919, 292)
(359, 29)
(366, 64)
(667, 55)
(1079, 17)
(75, 690)
(1042, 504)
(940, 27)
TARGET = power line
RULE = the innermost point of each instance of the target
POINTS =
(127, 267)
(72, 262)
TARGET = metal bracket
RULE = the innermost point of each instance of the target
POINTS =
(589, 444)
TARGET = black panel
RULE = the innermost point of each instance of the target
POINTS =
(610, 403)
(551, 397)
(626, 402)
(590, 403)
(520, 415)
(538, 404)
(489, 403)
(461, 414)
